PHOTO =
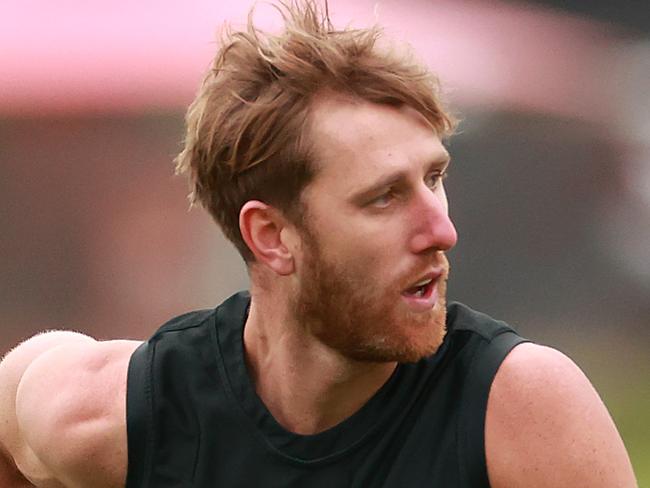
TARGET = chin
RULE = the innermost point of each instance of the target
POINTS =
(405, 340)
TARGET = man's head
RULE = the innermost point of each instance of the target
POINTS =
(319, 154)
(371, 271)
(249, 128)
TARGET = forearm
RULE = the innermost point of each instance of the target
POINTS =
(9, 474)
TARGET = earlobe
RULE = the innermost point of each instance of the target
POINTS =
(262, 228)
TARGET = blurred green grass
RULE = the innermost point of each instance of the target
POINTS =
(625, 390)
(630, 408)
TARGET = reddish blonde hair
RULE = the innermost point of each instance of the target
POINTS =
(248, 128)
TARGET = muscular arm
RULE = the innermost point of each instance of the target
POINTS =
(547, 427)
(62, 408)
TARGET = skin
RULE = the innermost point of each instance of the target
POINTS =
(62, 411)
(545, 425)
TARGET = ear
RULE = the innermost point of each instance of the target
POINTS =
(268, 235)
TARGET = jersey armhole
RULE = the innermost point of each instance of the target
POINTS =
(139, 417)
(471, 420)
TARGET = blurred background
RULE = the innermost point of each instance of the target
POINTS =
(550, 186)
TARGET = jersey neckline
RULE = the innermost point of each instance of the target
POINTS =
(324, 446)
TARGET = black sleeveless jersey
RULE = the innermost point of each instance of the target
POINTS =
(194, 419)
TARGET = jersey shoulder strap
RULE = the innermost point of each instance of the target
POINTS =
(488, 342)
(181, 334)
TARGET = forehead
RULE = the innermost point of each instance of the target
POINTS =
(356, 142)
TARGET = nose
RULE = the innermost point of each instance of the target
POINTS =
(432, 227)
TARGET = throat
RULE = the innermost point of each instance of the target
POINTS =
(308, 392)
(306, 385)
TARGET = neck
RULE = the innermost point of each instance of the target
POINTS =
(307, 386)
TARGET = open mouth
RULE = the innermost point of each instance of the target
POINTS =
(420, 290)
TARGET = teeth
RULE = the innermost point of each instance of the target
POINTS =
(423, 282)
(420, 288)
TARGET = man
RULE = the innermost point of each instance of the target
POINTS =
(320, 155)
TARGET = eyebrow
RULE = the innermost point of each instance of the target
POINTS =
(398, 177)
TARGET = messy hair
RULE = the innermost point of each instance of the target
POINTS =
(248, 128)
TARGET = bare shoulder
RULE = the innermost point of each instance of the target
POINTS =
(70, 410)
(547, 426)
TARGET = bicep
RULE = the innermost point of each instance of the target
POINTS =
(547, 426)
(70, 408)
(12, 369)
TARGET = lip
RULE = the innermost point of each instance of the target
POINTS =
(433, 275)
(430, 297)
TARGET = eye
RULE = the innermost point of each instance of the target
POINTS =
(436, 177)
(383, 200)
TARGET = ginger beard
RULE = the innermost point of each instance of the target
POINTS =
(362, 318)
